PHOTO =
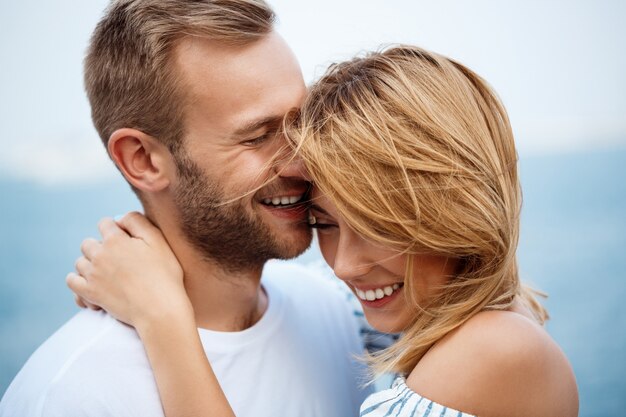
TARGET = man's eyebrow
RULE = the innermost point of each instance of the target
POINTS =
(318, 208)
(253, 125)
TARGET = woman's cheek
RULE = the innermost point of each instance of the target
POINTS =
(328, 247)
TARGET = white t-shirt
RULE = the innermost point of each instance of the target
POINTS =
(298, 360)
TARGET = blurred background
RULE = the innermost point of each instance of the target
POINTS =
(559, 67)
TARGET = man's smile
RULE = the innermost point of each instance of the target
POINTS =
(283, 201)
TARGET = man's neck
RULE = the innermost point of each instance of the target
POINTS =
(222, 300)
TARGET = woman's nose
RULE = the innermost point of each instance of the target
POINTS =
(351, 260)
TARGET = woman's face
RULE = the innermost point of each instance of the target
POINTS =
(373, 273)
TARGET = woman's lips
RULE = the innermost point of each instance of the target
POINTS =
(379, 296)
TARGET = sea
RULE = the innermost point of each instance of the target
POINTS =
(572, 246)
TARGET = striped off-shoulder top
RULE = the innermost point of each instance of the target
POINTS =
(401, 401)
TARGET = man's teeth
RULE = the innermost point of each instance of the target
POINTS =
(378, 293)
(282, 201)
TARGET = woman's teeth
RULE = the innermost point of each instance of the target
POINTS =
(378, 293)
(282, 201)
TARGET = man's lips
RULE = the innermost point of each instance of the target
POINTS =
(291, 204)
(297, 211)
(285, 198)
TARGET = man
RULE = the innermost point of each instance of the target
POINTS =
(188, 97)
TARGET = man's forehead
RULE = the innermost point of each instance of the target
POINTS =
(201, 59)
(238, 90)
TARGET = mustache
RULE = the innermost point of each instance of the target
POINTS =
(285, 185)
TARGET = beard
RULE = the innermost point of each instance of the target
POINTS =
(227, 234)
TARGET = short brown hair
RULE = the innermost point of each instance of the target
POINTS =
(129, 78)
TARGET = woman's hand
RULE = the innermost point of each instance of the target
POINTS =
(132, 274)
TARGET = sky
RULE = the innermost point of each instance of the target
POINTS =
(559, 66)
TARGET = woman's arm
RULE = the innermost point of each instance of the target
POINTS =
(135, 277)
(186, 382)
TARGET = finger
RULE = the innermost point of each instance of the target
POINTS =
(85, 304)
(108, 228)
(77, 284)
(89, 247)
(91, 306)
(138, 226)
(83, 267)
(79, 301)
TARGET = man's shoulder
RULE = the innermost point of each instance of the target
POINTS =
(319, 297)
(64, 346)
(292, 276)
(312, 295)
(90, 363)
(84, 333)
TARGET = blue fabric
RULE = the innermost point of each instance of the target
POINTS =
(401, 401)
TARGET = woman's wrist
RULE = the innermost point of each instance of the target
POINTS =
(175, 316)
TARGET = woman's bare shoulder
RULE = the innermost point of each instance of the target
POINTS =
(498, 363)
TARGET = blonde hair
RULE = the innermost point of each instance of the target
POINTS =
(129, 74)
(417, 153)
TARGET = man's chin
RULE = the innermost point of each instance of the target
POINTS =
(292, 244)
(288, 228)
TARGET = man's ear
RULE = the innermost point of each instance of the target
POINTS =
(144, 161)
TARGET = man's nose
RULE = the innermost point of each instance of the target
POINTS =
(292, 167)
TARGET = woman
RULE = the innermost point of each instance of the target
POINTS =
(416, 207)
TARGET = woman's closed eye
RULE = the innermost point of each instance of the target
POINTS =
(320, 224)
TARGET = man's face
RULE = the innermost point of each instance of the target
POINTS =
(236, 98)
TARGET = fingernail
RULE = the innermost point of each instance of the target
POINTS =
(118, 217)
